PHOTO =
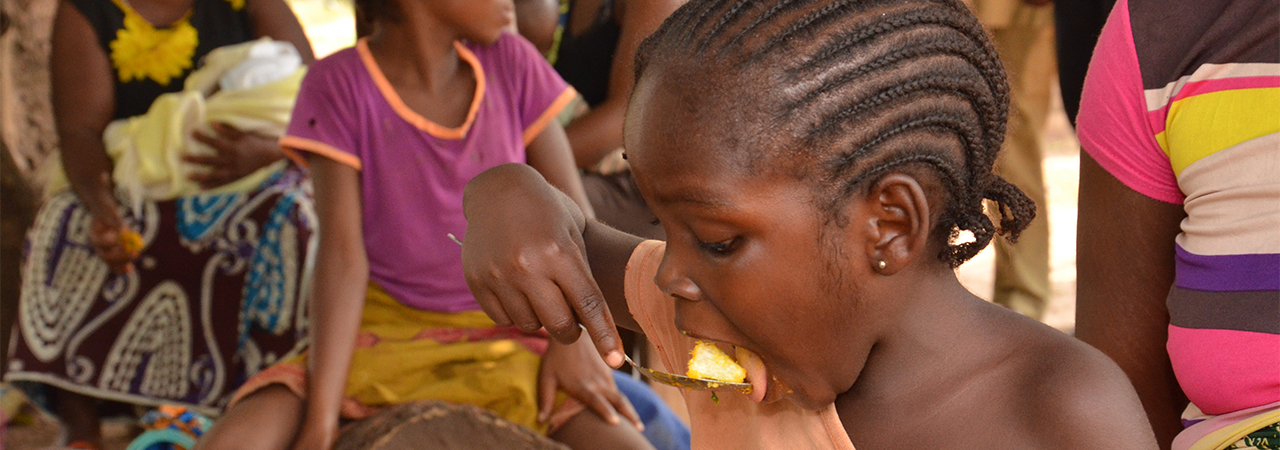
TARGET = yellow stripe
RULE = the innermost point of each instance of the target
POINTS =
(1204, 124)
(1223, 438)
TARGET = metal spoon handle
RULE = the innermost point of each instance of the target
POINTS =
(685, 382)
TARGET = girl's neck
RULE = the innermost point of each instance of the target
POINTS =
(418, 51)
(942, 339)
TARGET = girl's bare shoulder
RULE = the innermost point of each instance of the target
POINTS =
(1076, 397)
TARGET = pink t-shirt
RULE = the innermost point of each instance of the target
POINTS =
(1182, 105)
(413, 171)
(735, 422)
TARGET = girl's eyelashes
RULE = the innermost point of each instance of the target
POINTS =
(722, 248)
(655, 221)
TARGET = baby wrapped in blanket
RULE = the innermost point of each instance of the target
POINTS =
(249, 86)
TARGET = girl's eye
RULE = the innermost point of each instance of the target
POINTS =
(721, 248)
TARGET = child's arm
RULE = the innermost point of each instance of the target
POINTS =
(341, 279)
(549, 153)
(526, 260)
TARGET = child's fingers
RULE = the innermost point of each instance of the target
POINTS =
(600, 404)
(593, 312)
(547, 388)
(624, 407)
(553, 311)
(491, 305)
(516, 305)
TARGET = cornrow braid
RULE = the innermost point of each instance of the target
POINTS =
(862, 89)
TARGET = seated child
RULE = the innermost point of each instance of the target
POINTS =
(813, 165)
(392, 130)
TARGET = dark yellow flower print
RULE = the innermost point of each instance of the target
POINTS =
(140, 51)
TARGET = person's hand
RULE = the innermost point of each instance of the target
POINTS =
(238, 154)
(105, 230)
(316, 436)
(525, 261)
(579, 372)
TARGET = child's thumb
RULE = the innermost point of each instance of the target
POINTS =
(547, 389)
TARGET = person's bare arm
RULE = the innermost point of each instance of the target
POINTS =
(1124, 260)
(526, 254)
(84, 99)
(342, 277)
(274, 19)
(599, 131)
(549, 153)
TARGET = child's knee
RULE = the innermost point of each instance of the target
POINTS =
(586, 430)
(264, 420)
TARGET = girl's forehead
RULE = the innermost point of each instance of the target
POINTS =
(678, 114)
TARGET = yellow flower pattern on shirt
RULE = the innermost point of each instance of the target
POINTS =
(141, 51)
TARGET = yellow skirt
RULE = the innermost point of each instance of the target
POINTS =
(404, 354)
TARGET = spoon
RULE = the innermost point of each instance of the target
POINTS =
(670, 379)
(685, 382)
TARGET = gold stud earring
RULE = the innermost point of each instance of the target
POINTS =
(880, 265)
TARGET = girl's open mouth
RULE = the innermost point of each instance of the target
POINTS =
(757, 374)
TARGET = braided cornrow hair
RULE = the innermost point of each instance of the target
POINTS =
(864, 88)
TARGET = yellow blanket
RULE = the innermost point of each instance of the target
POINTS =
(147, 150)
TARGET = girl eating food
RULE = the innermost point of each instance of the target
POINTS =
(819, 169)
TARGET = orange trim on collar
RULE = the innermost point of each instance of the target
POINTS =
(409, 115)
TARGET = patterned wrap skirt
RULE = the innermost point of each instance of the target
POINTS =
(217, 294)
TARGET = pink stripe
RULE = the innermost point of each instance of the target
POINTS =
(1225, 84)
(1157, 118)
(1222, 371)
(1113, 125)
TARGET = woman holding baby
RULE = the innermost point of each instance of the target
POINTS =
(175, 206)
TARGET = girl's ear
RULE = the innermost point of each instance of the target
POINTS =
(896, 215)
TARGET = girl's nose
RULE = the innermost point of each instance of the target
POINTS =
(673, 282)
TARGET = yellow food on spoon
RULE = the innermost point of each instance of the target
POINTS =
(710, 363)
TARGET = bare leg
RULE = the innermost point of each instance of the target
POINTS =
(267, 419)
(588, 431)
(79, 414)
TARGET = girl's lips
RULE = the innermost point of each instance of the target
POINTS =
(757, 375)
